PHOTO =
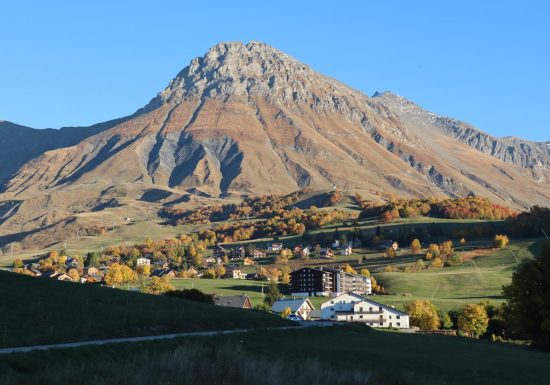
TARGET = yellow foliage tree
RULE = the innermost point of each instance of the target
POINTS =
(120, 274)
(73, 273)
(416, 246)
(157, 285)
(422, 314)
(473, 320)
(286, 312)
(501, 241)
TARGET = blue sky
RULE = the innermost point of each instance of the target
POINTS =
(83, 62)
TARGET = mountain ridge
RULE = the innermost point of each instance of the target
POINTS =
(247, 119)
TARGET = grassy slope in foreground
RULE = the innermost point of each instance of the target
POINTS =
(318, 356)
(39, 311)
(452, 287)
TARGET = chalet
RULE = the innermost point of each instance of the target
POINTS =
(237, 253)
(300, 307)
(275, 246)
(306, 251)
(143, 262)
(309, 281)
(34, 270)
(336, 244)
(388, 244)
(326, 252)
(253, 276)
(249, 261)
(192, 271)
(71, 262)
(91, 270)
(350, 307)
(163, 273)
(257, 253)
(219, 251)
(213, 260)
(346, 249)
(63, 277)
(232, 271)
(237, 301)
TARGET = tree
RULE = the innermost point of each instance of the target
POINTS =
(119, 275)
(286, 312)
(445, 318)
(433, 251)
(92, 259)
(527, 314)
(157, 285)
(436, 263)
(18, 264)
(416, 246)
(317, 251)
(73, 273)
(348, 269)
(219, 271)
(501, 241)
(144, 270)
(273, 294)
(365, 272)
(423, 314)
(473, 320)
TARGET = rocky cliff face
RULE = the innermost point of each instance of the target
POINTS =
(247, 119)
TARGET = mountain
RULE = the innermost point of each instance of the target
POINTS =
(246, 120)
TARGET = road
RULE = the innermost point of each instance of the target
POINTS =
(26, 349)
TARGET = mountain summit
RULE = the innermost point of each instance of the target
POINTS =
(247, 119)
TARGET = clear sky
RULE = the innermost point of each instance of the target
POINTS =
(81, 62)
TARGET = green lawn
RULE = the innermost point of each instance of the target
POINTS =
(451, 287)
(41, 311)
(272, 357)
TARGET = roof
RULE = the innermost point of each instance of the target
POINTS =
(389, 308)
(232, 300)
(293, 303)
(336, 299)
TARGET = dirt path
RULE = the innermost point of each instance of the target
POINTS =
(26, 349)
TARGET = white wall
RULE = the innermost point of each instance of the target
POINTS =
(343, 302)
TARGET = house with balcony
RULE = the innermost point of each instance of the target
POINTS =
(351, 307)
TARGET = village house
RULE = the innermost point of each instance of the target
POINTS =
(237, 301)
(237, 253)
(275, 246)
(211, 260)
(167, 272)
(257, 253)
(349, 307)
(323, 281)
(389, 244)
(346, 250)
(232, 271)
(300, 307)
(219, 251)
(327, 252)
(249, 261)
(63, 277)
(336, 244)
(143, 262)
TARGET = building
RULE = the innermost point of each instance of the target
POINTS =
(350, 307)
(346, 250)
(327, 252)
(211, 260)
(275, 246)
(232, 271)
(219, 251)
(237, 301)
(143, 262)
(237, 253)
(167, 272)
(249, 261)
(324, 281)
(257, 253)
(300, 307)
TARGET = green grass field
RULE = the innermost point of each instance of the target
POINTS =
(480, 279)
(41, 311)
(354, 354)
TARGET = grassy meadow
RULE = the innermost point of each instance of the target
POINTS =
(40, 311)
(351, 354)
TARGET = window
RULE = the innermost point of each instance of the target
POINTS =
(332, 302)
(399, 324)
(398, 317)
(380, 308)
(370, 308)
(390, 316)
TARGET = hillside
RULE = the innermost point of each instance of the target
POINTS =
(47, 311)
(247, 120)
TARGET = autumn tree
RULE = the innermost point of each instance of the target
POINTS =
(18, 263)
(286, 312)
(219, 271)
(157, 285)
(501, 241)
(348, 269)
(433, 251)
(120, 274)
(423, 314)
(416, 246)
(473, 320)
(73, 273)
(365, 272)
